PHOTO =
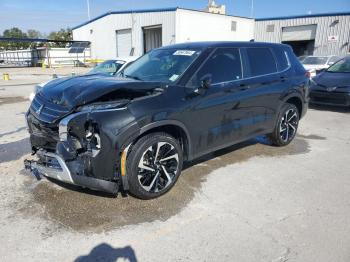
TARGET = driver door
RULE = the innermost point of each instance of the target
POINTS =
(210, 116)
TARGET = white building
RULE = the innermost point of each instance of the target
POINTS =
(121, 33)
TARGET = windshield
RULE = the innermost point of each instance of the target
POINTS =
(342, 66)
(108, 67)
(315, 60)
(163, 65)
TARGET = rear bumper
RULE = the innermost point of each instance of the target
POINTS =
(330, 98)
(53, 166)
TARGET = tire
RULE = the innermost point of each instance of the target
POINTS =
(286, 125)
(153, 165)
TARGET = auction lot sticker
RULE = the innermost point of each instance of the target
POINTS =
(184, 52)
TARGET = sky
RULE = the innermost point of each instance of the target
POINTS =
(50, 15)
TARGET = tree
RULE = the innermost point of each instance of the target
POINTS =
(14, 33)
(61, 35)
(31, 33)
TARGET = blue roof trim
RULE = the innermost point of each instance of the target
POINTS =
(128, 12)
(302, 16)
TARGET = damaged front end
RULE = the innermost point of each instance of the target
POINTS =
(82, 145)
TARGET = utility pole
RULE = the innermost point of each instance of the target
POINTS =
(252, 9)
(88, 8)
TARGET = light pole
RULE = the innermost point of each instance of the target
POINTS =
(252, 9)
(88, 8)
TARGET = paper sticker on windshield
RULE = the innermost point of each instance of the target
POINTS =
(173, 78)
(184, 52)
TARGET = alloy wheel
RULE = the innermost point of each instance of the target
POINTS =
(288, 125)
(158, 166)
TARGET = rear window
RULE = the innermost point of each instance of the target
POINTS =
(282, 59)
(261, 61)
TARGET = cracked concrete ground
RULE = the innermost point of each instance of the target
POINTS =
(250, 202)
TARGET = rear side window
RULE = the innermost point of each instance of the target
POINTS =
(222, 66)
(282, 59)
(261, 61)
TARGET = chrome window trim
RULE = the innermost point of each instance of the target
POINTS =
(243, 78)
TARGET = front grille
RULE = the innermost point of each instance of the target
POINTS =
(42, 135)
(47, 111)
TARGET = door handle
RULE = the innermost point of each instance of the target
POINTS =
(243, 87)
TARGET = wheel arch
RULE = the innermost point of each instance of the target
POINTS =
(296, 99)
(174, 128)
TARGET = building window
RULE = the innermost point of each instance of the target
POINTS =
(270, 28)
(91, 31)
(233, 26)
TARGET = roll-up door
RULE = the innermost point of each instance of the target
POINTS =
(123, 42)
(152, 37)
(298, 33)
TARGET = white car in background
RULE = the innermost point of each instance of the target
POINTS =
(313, 64)
(113, 66)
(108, 67)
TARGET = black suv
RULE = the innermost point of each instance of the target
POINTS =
(132, 132)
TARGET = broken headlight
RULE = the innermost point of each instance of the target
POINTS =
(103, 106)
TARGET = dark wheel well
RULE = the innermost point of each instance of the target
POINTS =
(297, 102)
(175, 131)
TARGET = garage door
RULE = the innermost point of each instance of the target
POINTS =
(152, 37)
(123, 42)
(297, 33)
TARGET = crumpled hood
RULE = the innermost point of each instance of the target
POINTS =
(328, 79)
(79, 90)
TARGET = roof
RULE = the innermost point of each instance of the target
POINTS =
(303, 16)
(206, 44)
(169, 9)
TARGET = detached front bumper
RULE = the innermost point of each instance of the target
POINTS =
(53, 166)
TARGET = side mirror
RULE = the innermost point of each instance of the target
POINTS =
(206, 81)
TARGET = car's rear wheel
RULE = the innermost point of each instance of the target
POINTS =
(286, 125)
(154, 165)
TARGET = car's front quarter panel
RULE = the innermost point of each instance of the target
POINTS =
(99, 161)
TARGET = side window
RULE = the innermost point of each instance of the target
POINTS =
(282, 59)
(222, 66)
(261, 61)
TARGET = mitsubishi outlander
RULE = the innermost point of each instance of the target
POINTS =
(132, 132)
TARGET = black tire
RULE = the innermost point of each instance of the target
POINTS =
(286, 125)
(148, 184)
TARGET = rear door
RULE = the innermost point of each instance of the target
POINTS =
(265, 81)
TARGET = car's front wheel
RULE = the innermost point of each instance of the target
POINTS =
(154, 165)
(286, 125)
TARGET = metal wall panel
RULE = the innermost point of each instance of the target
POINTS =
(102, 32)
(177, 26)
(326, 27)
